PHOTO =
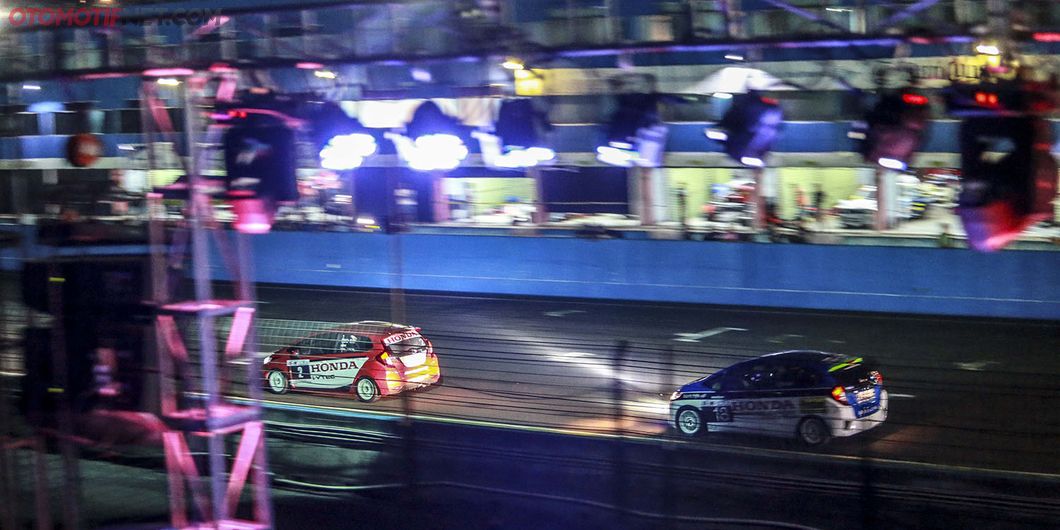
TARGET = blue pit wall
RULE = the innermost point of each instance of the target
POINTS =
(956, 282)
(1015, 284)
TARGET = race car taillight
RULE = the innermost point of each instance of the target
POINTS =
(876, 377)
(386, 359)
(840, 394)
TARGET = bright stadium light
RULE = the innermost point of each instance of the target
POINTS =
(541, 154)
(616, 156)
(517, 141)
(431, 141)
(513, 63)
(347, 151)
(716, 134)
(894, 129)
(635, 136)
(749, 128)
(342, 142)
(892, 163)
(437, 152)
(986, 48)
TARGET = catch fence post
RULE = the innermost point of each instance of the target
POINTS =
(618, 462)
(668, 446)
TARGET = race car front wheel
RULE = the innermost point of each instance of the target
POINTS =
(813, 431)
(366, 390)
(689, 422)
(276, 382)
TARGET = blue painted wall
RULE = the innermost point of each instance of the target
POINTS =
(1021, 284)
(11, 257)
(1017, 284)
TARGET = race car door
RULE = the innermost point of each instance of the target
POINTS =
(329, 360)
(757, 405)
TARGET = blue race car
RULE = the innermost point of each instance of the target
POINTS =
(809, 394)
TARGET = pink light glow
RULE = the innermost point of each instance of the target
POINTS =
(252, 216)
(309, 66)
(168, 72)
(222, 68)
(108, 75)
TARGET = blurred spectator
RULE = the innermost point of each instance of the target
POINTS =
(800, 201)
(945, 239)
(818, 202)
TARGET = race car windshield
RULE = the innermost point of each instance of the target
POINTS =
(408, 346)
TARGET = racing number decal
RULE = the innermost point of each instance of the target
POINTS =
(718, 414)
(723, 413)
(299, 369)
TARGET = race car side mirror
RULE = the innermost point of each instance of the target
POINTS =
(294, 351)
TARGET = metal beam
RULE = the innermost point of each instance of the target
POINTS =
(806, 14)
(903, 14)
(838, 41)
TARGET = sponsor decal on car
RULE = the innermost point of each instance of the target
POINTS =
(764, 408)
(333, 366)
(400, 337)
(812, 405)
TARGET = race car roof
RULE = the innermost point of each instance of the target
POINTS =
(374, 327)
(815, 356)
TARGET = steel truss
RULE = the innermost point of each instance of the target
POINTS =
(193, 406)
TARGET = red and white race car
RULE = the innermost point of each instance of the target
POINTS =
(371, 359)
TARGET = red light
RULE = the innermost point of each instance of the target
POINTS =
(839, 394)
(914, 99)
(1047, 37)
(771, 101)
(876, 377)
(986, 99)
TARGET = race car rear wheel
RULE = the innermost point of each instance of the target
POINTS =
(813, 431)
(366, 390)
(689, 422)
(276, 382)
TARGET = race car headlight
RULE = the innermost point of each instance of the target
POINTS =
(676, 395)
(267, 360)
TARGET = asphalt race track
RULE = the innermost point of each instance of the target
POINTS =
(965, 393)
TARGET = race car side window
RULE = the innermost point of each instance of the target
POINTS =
(715, 382)
(306, 346)
(758, 377)
(807, 378)
(348, 342)
(327, 343)
(731, 380)
(322, 344)
(794, 376)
